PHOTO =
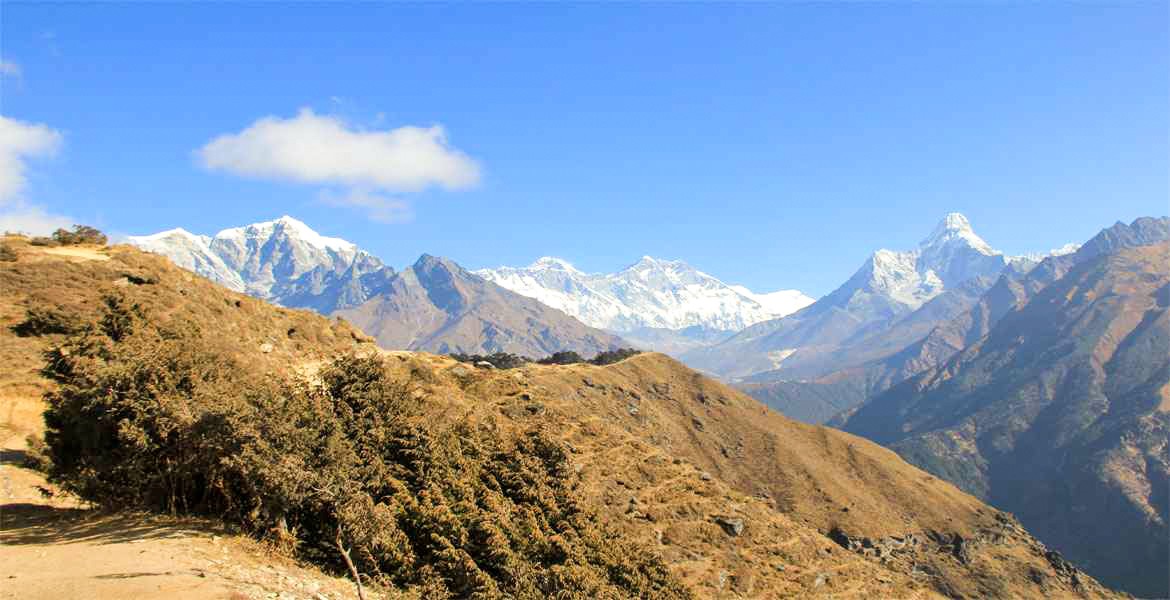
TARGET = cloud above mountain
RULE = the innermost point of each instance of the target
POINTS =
(19, 142)
(380, 208)
(322, 149)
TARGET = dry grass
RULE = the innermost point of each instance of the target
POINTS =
(262, 336)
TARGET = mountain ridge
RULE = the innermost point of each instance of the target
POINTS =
(1059, 413)
(649, 293)
(433, 305)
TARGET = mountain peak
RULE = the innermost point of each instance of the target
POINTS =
(955, 227)
(552, 262)
(291, 226)
(178, 231)
(649, 262)
(429, 262)
(955, 221)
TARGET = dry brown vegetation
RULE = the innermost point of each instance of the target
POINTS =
(737, 501)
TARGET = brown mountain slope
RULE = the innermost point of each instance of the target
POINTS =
(671, 454)
(64, 287)
(438, 306)
(739, 501)
(1060, 415)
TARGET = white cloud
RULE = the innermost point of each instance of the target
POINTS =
(9, 69)
(320, 149)
(31, 220)
(20, 141)
(379, 208)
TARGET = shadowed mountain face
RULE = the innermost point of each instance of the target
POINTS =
(842, 378)
(1061, 413)
(438, 306)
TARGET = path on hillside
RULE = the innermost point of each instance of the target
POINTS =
(52, 548)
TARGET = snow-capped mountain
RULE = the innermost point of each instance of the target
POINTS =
(950, 255)
(892, 300)
(650, 293)
(284, 261)
(191, 252)
(434, 305)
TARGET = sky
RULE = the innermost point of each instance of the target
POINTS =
(770, 145)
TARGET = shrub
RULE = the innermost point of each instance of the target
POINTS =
(46, 320)
(612, 356)
(154, 418)
(81, 234)
(607, 357)
(43, 241)
(567, 357)
(499, 360)
(7, 254)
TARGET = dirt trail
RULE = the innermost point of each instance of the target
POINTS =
(53, 548)
(81, 252)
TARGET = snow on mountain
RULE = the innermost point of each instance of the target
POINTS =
(779, 303)
(191, 252)
(274, 260)
(951, 254)
(650, 293)
(894, 299)
(1031, 259)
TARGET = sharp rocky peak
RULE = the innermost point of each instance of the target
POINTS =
(955, 227)
(429, 263)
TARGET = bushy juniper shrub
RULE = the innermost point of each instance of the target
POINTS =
(565, 357)
(609, 357)
(499, 360)
(151, 417)
(46, 319)
(81, 234)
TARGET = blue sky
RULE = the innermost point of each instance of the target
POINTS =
(769, 145)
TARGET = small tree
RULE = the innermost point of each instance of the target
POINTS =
(81, 234)
(612, 356)
(566, 357)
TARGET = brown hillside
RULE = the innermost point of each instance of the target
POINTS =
(738, 500)
(671, 454)
(69, 282)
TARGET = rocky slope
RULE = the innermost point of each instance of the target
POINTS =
(738, 500)
(1061, 413)
(437, 306)
(649, 294)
